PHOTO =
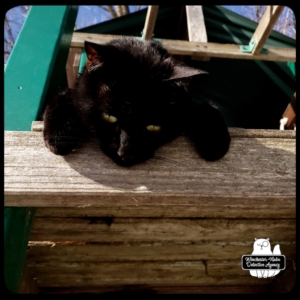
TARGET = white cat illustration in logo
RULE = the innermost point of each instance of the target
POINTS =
(263, 247)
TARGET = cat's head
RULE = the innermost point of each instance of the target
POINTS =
(140, 96)
(261, 246)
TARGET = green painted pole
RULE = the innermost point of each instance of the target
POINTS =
(35, 69)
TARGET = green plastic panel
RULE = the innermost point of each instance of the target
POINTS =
(35, 66)
(30, 65)
(17, 225)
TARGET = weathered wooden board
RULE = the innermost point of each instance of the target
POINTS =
(28, 284)
(150, 22)
(196, 26)
(155, 289)
(156, 251)
(256, 174)
(195, 23)
(72, 66)
(102, 278)
(174, 211)
(232, 268)
(265, 26)
(197, 48)
(284, 283)
(161, 229)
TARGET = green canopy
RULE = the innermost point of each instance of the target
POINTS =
(250, 94)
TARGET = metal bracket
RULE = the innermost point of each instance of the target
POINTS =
(143, 37)
(249, 48)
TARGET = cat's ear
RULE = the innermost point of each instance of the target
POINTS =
(183, 71)
(95, 54)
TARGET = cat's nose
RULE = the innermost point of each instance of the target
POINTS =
(126, 149)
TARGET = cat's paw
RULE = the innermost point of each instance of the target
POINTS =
(209, 132)
(59, 145)
(63, 129)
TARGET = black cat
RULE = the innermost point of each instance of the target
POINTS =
(134, 96)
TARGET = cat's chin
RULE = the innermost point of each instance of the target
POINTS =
(112, 154)
(129, 162)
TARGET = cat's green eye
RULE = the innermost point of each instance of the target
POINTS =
(109, 118)
(153, 128)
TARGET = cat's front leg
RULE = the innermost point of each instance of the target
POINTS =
(208, 130)
(63, 129)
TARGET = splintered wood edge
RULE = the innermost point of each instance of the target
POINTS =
(37, 126)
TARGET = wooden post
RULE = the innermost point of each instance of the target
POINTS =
(196, 27)
(150, 22)
(265, 27)
(288, 120)
(72, 66)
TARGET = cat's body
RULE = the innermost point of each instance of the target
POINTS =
(134, 96)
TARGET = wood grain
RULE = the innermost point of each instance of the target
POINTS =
(197, 48)
(70, 251)
(256, 173)
(196, 27)
(156, 289)
(265, 26)
(127, 230)
(94, 280)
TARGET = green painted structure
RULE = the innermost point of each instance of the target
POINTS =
(250, 94)
(39, 57)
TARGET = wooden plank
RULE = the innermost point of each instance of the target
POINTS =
(72, 66)
(265, 27)
(234, 132)
(166, 211)
(46, 279)
(196, 27)
(28, 284)
(197, 48)
(141, 251)
(258, 171)
(196, 24)
(231, 267)
(290, 114)
(129, 230)
(116, 271)
(150, 22)
(155, 289)
(285, 282)
(37, 126)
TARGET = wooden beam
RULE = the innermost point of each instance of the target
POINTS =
(72, 66)
(196, 27)
(284, 282)
(147, 230)
(197, 48)
(214, 252)
(265, 27)
(28, 284)
(288, 120)
(258, 173)
(150, 22)
(156, 289)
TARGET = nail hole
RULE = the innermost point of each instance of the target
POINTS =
(19, 87)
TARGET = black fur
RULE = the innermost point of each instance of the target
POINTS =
(140, 84)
